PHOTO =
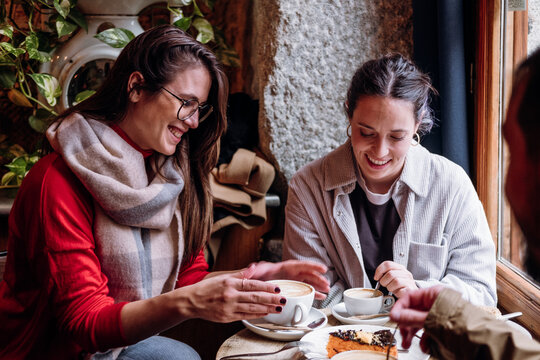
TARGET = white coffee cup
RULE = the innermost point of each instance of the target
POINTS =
(361, 355)
(299, 297)
(362, 301)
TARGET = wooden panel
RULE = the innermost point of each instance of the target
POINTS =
(487, 108)
(515, 294)
(240, 247)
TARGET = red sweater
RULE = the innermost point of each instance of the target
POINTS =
(54, 299)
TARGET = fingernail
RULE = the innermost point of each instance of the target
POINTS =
(283, 301)
(278, 308)
(395, 315)
(277, 290)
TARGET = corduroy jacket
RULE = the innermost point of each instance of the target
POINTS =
(443, 237)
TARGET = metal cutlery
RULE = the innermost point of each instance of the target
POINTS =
(370, 316)
(376, 288)
(511, 315)
(311, 326)
(287, 346)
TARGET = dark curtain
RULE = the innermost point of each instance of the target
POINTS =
(441, 50)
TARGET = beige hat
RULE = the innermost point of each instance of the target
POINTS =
(239, 188)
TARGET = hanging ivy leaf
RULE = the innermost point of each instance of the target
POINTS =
(83, 95)
(175, 11)
(9, 178)
(40, 120)
(6, 30)
(196, 10)
(63, 7)
(18, 166)
(64, 27)
(78, 18)
(48, 86)
(7, 77)
(205, 29)
(32, 44)
(18, 98)
(183, 23)
(10, 49)
(115, 37)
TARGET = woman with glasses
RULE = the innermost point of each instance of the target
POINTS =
(381, 208)
(107, 231)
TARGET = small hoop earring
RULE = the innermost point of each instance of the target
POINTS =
(416, 139)
(349, 130)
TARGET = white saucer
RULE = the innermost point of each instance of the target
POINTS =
(340, 312)
(286, 335)
(519, 328)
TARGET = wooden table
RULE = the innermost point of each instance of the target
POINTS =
(245, 341)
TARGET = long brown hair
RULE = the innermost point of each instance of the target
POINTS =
(159, 54)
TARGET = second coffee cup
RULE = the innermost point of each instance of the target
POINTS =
(362, 301)
(299, 297)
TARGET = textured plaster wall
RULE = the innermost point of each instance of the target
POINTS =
(533, 38)
(304, 54)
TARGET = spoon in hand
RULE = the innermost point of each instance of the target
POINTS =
(376, 288)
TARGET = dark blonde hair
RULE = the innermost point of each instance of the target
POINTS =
(396, 77)
(159, 54)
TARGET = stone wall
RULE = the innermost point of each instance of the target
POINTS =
(304, 53)
(533, 38)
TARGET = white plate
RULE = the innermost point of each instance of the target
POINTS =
(519, 328)
(340, 312)
(319, 337)
(286, 335)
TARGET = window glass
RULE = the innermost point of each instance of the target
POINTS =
(522, 37)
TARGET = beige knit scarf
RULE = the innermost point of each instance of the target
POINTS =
(137, 224)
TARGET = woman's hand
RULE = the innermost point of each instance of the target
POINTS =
(395, 277)
(231, 297)
(223, 298)
(411, 311)
(306, 271)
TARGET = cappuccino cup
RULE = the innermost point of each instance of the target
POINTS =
(299, 297)
(362, 301)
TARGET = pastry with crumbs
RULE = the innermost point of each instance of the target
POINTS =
(345, 340)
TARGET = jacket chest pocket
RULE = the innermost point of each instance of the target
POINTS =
(428, 261)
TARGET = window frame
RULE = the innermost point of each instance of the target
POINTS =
(515, 293)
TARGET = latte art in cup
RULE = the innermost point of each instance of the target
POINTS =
(299, 298)
(291, 289)
(365, 301)
(363, 293)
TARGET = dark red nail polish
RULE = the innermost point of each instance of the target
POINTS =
(277, 290)
(278, 308)
(283, 301)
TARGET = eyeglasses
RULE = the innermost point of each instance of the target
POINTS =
(190, 107)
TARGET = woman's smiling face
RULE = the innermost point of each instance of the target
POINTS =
(151, 120)
(382, 129)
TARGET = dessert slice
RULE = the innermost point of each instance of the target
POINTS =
(345, 340)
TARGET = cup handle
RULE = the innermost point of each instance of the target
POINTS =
(302, 310)
(388, 302)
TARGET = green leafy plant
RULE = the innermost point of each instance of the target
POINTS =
(24, 47)
(189, 17)
(20, 164)
(25, 44)
(18, 169)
